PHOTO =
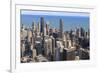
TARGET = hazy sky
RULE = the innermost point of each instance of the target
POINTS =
(70, 19)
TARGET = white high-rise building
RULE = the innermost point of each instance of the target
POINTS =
(30, 36)
(45, 31)
(50, 44)
(34, 53)
(65, 41)
(46, 47)
(69, 43)
(23, 34)
(22, 49)
(53, 45)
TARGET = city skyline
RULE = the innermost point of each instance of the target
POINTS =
(71, 20)
(57, 36)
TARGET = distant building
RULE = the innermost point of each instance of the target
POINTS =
(38, 27)
(42, 24)
(29, 36)
(47, 28)
(61, 28)
(22, 49)
(33, 26)
(38, 47)
(34, 53)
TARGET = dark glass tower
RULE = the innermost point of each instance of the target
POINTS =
(42, 25)
(42, 32)
(61, 29)
(32, 26)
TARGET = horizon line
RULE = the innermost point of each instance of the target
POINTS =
(51, 13)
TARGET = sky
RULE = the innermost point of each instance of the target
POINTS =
(71, 20)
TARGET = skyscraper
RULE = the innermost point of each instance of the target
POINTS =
(33, 26)
(53, 45)
(42, 24)
(50, 44)
(45, 33)
(61, 29)
(42, 30)
(34, 53)
(38, 27)
(57, 51)
(47, 28)
(22, 49)
(30, 36)
(64, 41)
(46, 47)
(38, 47)
(81, 32)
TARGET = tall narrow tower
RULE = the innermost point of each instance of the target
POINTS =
(38, 27)
(47, 27)
(61, 29)
(33, 26)
(42, 24)
(42, 30)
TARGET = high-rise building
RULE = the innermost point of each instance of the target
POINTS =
(81, 32)
(50, 45)
(42, 30)
(38, 27)
(30, 36)
(38, 47)
(45, 31)
(33, 40)
(58, 51)
(57, 54)
(65, 41)
(87, 34)
(61, 29)
(22, 49)
(21, 27)
(33, 26)
(69, 43)
(53, 45)
(46, 47)
(23, 34)
(47, 28)
(34, 54)
(42, 25)
(50, 32)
